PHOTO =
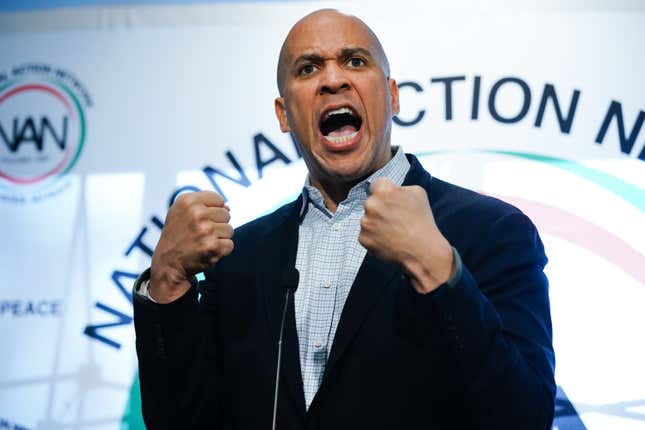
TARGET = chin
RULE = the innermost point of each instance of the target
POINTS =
(348, 173)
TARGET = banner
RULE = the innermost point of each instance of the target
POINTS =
(108, 113)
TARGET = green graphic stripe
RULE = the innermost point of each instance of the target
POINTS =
(81, 120)
(632, 194)
(626, 191)
(132, 419)
(7, 85)
(2, 88)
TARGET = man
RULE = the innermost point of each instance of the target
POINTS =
(420, 304)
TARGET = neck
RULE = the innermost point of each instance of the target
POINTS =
(335, 190)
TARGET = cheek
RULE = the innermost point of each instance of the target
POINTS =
(300, 115)
(378, 108)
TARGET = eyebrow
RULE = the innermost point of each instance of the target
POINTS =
(350, 52)
(343, 53)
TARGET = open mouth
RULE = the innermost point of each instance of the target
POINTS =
(340, 125)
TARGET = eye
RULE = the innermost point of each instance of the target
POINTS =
(356, 62)
(307, 69)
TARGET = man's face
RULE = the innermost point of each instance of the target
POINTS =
(336, 98)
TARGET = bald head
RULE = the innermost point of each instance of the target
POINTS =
(314, 22)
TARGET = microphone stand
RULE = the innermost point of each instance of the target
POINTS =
(291, 281)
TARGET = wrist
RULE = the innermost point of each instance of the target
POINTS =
(167, 285)
(429, 270)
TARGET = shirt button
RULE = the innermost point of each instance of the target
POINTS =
(317, 344)
(335, 226)
(327, 285)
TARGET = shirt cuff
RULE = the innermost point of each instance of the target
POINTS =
(142, 286)
(456, 277)
(450, 283)
(144, 290)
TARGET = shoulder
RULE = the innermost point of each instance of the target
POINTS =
(449, 201)
(452, 204)
(478, 224)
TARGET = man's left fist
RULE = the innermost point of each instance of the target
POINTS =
(398, 226)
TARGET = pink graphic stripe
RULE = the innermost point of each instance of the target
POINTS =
(577, 230)
(70, 111)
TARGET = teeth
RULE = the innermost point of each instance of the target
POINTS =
(341, 139)
(339, 111)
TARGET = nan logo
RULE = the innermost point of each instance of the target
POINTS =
(42, 125)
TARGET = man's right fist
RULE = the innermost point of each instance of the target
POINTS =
(196, 234)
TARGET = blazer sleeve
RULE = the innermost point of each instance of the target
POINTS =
(497, 326)
(177, 362)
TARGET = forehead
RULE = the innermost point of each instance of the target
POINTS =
(327, 34)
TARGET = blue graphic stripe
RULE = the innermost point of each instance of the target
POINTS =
(30, 5)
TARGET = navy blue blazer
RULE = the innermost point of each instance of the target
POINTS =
(475, 355)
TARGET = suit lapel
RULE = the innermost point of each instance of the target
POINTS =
(283, 240)
(369, 285)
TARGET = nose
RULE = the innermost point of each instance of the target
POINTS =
(333, 79)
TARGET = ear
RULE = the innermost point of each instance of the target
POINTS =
(394, 94)
(281, 113)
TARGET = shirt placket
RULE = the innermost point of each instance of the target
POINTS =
(324, 299)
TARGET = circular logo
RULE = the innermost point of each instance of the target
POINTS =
(42, 129)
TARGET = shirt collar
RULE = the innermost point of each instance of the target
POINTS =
(395, 170)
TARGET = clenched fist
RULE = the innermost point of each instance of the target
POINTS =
(196, 234)
(398, 226)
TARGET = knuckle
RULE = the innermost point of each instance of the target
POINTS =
(418, 191)
(203, 229)
(364, 240)
(225, 231)
(221, 250)
(205, 250)
(222, 215)
(369, 205)
(384, 188)
(193, 212)
(223, 247)
(193, 225)
(207, 247)
(376, 188)
(229, 245)
(215, 198)
(361, 238)
(182, 201)
(380, 182)
(389, 188)
(365, 224)
(218, 245)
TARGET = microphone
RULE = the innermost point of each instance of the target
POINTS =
(290, 281)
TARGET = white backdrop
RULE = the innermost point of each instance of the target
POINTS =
(106, 112)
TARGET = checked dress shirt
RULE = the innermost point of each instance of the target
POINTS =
(328, 260)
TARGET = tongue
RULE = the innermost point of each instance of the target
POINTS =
(343, 131)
